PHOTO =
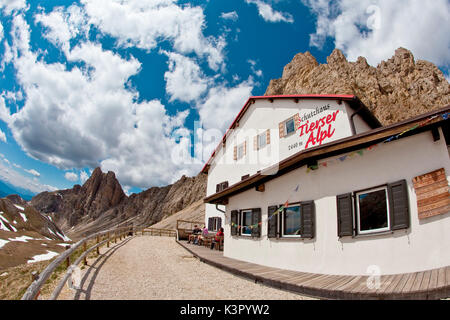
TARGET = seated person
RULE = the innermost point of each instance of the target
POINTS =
(194, 234)
(202, 236)
(217, 237)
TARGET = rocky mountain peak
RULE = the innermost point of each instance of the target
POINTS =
(397, 89)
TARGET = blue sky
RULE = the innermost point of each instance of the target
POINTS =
(146, 88)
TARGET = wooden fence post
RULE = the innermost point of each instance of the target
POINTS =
(107, 243)
(68, 258)
(35, 277)
(98, 248)
(84, 250)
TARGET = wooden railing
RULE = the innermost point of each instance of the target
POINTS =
(184, 228)
(159, 232)
(100, 239)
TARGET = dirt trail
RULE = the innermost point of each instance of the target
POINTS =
(147, 268)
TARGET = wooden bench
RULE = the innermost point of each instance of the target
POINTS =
(219, 244)
(207, 240)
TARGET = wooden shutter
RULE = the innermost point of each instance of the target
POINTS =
(223, 185)
(272, 222)
(255, 143)
(281, 129)
(219, 223)
(268, 136)
(256, 220)
(234, 222)
(345, 215)
(296, 121)
(210, 224)
(307, 215)
(235, 153)
(398, 205)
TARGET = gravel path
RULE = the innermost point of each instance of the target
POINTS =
(148, 268)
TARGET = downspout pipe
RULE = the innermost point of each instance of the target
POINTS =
(217, 208)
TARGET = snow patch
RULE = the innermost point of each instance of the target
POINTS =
(65, 238)
(24, 217)
(22, 239)
(63, 244)
(3, 242)
(43, 257)
(19, 207)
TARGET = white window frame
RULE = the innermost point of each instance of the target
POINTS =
(264, 136)
(285, 127)
(358, 216)
(283, 219)
(216, 223)
(243, 212)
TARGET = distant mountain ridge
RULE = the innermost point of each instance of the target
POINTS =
(101, 203)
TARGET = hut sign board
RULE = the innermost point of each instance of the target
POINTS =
(432, 193)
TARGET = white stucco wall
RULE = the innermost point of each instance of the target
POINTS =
(425, 245)
(263, 115)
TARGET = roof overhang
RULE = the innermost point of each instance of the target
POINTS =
(331, 149)
(352, 100)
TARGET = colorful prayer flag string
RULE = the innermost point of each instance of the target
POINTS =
(361, 152)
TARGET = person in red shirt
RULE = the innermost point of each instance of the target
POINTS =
(217, 237)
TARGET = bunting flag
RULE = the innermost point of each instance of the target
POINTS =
(361, 152)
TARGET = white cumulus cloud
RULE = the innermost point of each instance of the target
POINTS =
(83, 176)
(8, 6)
(229, 15)
(33, 172)
(184, 79)
(269, 14)
(375, 28)
(144, 24)
(71, 176)
(2, 136)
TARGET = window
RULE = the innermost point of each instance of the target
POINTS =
(372, 209)
(240, 151)
(289, 127)
(221, 186)
(262, 140)
(246, 222)
(214, 223)
(291, 221)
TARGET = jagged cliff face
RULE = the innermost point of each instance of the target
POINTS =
(81, 203)
(395, 90)
(101, 203)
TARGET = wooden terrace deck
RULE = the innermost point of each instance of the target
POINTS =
(431, 284)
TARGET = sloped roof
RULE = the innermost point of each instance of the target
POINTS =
(334, 148)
